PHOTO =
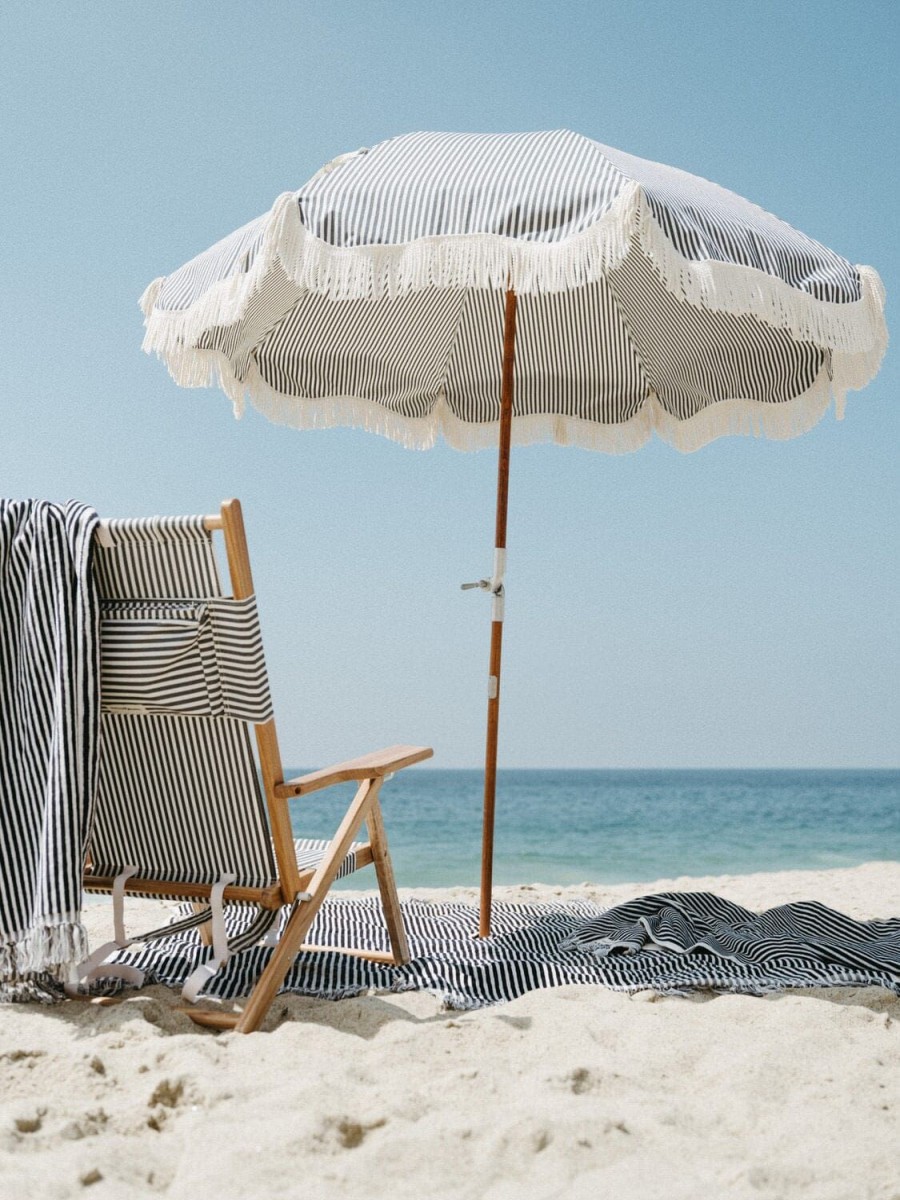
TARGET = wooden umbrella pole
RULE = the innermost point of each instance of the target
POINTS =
(493, 710)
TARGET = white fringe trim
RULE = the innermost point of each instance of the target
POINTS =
(779, 422)
(852, 328)
(491, 261)
(458, 261)
(53, 944)
(373, 272)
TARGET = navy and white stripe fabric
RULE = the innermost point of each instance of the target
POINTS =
(178, 794)
(697, 939)
(650, 301)
(157, 557)
(48, 744)
(194, 658)
(671, 943)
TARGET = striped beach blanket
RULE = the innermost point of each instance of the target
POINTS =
(48, 745)
(685, 940)
(671, 943)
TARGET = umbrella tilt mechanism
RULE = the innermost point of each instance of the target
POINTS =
(494, 585)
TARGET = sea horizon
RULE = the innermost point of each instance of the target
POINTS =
(570, 825)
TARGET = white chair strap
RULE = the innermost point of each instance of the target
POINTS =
(118, 899)
(197, 980)
(92, 967)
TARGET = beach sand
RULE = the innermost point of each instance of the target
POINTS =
(570, 1092)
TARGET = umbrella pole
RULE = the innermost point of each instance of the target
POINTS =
(493, 710)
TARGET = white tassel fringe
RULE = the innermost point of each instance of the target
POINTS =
(855, 332)
(853, 328)
(779, 422)
(55, 943)
(373, 272)
(491, 261)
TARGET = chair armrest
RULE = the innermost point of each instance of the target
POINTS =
(369, 766)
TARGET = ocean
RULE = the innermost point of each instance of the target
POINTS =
(570, 826)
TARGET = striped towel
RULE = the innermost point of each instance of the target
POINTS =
(48, 737)
(699, 941)
(678, 941)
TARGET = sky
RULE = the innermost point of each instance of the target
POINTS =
(736, 607)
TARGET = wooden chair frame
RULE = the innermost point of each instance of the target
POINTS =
(369, 771)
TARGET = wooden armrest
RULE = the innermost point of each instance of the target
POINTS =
(369, 766)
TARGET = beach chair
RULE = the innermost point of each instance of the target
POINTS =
(184, 809)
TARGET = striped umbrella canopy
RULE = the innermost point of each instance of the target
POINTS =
(498, 288)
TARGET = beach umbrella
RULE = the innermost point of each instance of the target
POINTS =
(508, 288)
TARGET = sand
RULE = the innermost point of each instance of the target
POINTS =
(571, 1092)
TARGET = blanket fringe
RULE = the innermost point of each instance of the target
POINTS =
(46, 947)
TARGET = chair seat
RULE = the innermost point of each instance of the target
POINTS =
(310, 851)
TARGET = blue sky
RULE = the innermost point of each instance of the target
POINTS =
(735, 607)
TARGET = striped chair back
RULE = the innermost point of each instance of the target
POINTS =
(182, 678)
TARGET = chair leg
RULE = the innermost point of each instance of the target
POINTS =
(302, 918)
(387, 885)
